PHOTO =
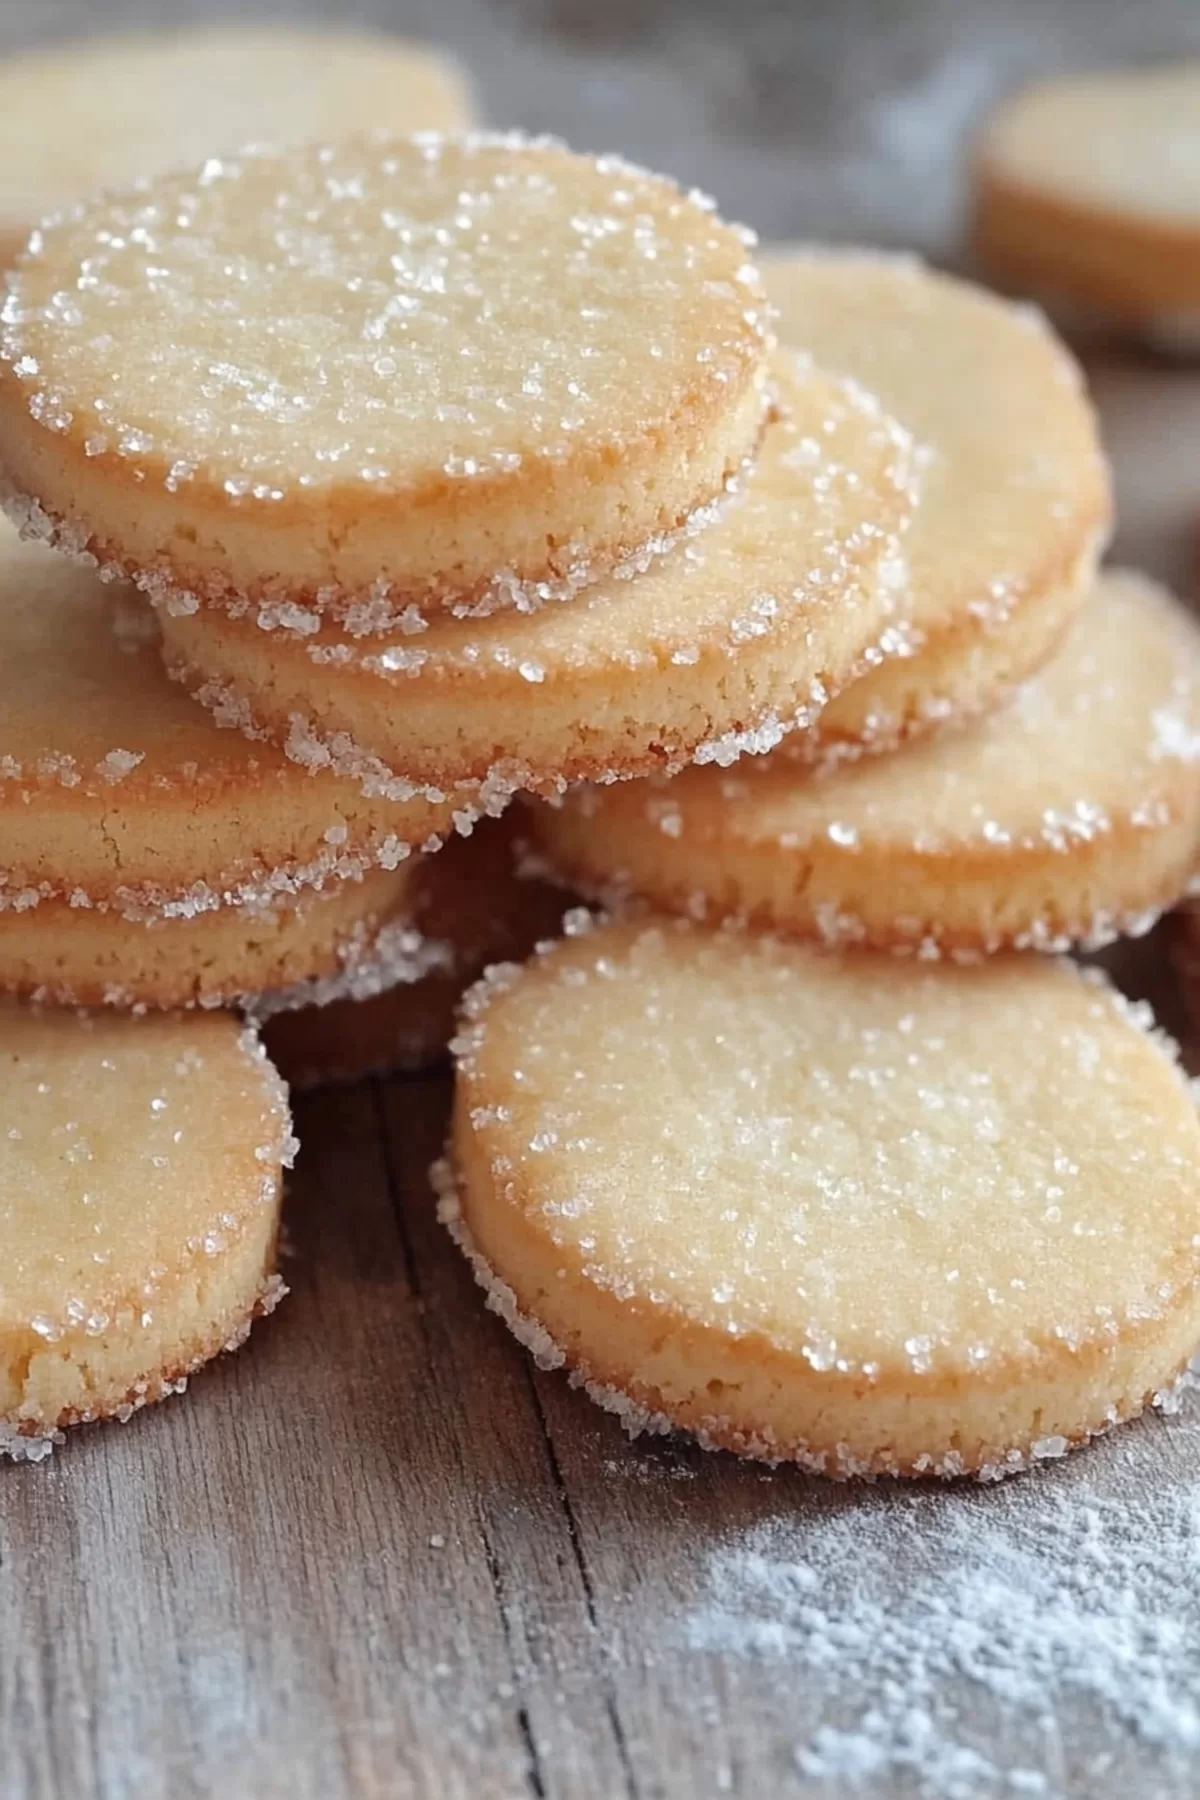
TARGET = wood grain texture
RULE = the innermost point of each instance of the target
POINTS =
(377, 1553)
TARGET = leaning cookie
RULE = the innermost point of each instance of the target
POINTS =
(865, 1215)
(1014, 489)
(140, 1182)
(728, 641)
(69, 127)
(388, 375)
(392, 1004)
(118, 795)
(1070, 815)
(1086, 195)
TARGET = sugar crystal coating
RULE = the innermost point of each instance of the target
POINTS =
(139, 1187)
(116, 791)
(1007, 441)
(727, 641)
(1070, 813)
(355, 338)
(885, 1176)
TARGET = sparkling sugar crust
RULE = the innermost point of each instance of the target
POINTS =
(107, 1120)
(983, 1090)
(1066, 818)
(437, 321)
(730, 641)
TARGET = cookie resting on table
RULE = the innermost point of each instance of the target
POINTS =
(118, 794)
(869, 1215)
(1014, 490)
(732, 638)
(390, 374)
(1066, 817)
(1087, 195)
(393, 1005)
(94, 115)
(140, 1182)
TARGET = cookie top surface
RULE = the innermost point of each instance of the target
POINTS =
(1125, 143)
(401, 325)
(875, 1166)
(98, 115)
(129, 1148)
(1103, 742)
(111, 774)
(1014, 487)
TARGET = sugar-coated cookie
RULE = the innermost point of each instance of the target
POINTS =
(1087, 194)
(389, 374)
(117, 793)
(140, 1182)
(99, 115)
(394, 1006)
(865, 1214)
(222, 956)
(1069, 815)
(1014, 491)
(732, 638)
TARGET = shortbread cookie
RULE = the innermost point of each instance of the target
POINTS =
(1014, 488)
(393, 1005)
(729, 640)
(398, 373)
(91, 956)
(1070, 815)
(101, 115)
(117, 793)
(1087, 193)
(140, 1179)
(863, 1214)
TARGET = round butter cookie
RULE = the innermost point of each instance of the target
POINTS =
(1014, 489)
(392, 374)
(101, 115)
(140, 1184)
(75, 955)
(871, 1216)
(118, 794)
(1087, 193)
(732, 638)
(393, 1005)
(1068, 816)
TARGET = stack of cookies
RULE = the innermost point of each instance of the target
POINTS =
(805, 1151)
(440, 473)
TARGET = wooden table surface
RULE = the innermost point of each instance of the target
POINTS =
(378, 1553)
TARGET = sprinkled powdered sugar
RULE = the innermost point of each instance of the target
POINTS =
(967, 1644)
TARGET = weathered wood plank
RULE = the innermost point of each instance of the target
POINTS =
(284, 1583)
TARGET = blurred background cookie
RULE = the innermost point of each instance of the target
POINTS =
(104, 113)
(1087, 194)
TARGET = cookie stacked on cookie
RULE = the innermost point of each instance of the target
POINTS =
(450, 467)
(803, 1154)
(438, 471)
(411, 458)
